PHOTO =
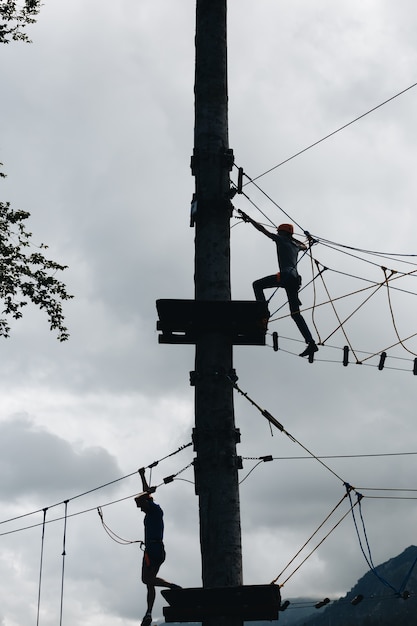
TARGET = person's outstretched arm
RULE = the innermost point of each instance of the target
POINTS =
(145, 485)
(258, 226)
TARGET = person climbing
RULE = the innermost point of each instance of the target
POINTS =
(154, 554)
(288, 249)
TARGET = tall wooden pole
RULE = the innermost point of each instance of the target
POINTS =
(215, 435)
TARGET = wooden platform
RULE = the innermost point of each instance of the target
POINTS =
(184, 321)
(249, 603)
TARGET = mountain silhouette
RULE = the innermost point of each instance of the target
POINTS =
(384, 596)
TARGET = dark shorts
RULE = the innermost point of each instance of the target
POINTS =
(154, 555)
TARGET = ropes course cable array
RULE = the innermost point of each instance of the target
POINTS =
(374, 286)
(273, 422)
(390, 274)
(353, 252)
(349, 488)
(319, 271)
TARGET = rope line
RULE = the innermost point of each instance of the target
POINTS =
(274, 203)
(400, 93)
(407, 576)
(166, 480)
(368, 558)
(112, 482)
(313, 311)
(362, 362)
(318, 545)
(392, 314)
(250, 472)
(308, 540)
(340, 456)
(41, 567)
(169, 479)
(113, 535)
(180, 449)
(274, 422)
(341, 324)
(372, 252)
(312, 603)
(64, 554)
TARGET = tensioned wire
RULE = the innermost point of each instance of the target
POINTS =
(338, 130)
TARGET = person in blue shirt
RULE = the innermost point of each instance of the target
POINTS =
(154, 554)
(288, 249)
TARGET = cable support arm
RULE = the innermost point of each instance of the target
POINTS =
(280, 427)
(271, 419)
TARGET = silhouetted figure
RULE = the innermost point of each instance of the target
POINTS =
(154, 554)
(288, 249)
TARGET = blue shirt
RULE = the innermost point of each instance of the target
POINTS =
(154, 523)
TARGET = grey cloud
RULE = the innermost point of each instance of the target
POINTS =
(35, 462)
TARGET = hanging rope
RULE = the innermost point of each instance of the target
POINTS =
(313, 319)
(63, 562)
(407, 577)
(384, 269)
(368, 558)
(41, 567)
(121, 540)
(113, 536)
(338, 319)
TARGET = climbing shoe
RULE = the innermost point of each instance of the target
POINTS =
(147, 620)
(263, 323)
(309, 351)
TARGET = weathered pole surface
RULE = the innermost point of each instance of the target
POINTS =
(215, 435)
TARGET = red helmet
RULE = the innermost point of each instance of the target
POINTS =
(288, 228)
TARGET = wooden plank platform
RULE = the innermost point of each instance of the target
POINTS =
(250, 603)
(184, 321)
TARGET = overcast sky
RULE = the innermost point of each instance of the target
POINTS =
(96, 138)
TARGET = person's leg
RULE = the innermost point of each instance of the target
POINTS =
(302, 326)
(150, 598)
(149, 573)
(150, 570)
(268, 282)
(293, 301)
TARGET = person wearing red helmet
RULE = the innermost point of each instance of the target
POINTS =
(288, 277)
